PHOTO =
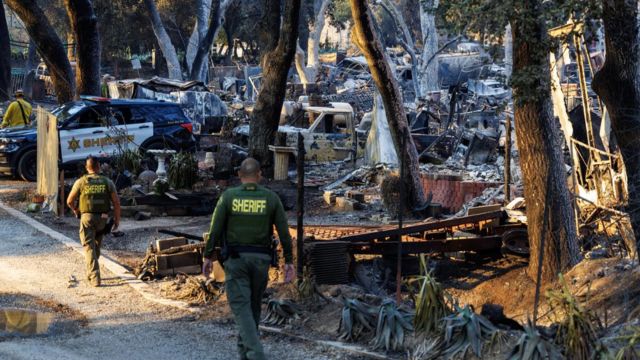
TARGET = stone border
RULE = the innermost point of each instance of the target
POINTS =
(106, 261)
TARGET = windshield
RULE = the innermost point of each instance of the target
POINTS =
(66, 111)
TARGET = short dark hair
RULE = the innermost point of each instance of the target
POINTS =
(93, 162)
(249, 167)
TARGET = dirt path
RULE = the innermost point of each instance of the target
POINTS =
(120, 323)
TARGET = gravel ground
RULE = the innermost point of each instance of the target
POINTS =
(120, 323)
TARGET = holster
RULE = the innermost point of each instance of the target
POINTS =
(274, 252)
(107, 227)
(221, 255)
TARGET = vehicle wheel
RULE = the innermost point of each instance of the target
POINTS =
(516, 241)
(27, 166)
(152, 164)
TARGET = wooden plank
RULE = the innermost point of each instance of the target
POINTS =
(483, 209)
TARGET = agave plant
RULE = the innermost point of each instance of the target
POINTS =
(393, 323)
(431, 306)
(358, 318)
(183, 171)
(127, 160)
(532, 346)
(281, 311)
(427, 349)
(576, 333)
(464, 330)
(306, 287)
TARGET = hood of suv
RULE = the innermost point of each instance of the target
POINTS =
(17, 132)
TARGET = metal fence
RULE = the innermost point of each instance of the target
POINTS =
(17, 79)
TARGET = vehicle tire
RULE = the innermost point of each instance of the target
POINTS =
(152, 164)
(27, 166)
(516, 241)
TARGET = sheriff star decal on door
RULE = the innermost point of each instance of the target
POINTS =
(74, 144)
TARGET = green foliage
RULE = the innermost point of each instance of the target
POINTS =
(339, 13)
(124, 28)
(393, 323)
(576, 332)
(160, 186)
(127, 160)
(358, 319)
(464, 330)
(281, 311)
(429, 348)
(532, 346)
(431, 306)
(530, 21)
(183, 171)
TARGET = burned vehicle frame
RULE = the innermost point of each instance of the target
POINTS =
(331, 134)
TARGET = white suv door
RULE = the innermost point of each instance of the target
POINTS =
(133, 121)
(85, 134)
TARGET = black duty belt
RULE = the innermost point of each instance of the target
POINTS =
(249, 249)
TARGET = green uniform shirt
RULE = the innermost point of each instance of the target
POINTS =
(83, 184)
(245, 215)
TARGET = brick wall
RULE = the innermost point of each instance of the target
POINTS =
(451, 192)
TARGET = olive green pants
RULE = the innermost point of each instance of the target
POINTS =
(90, 225)
(246, 278)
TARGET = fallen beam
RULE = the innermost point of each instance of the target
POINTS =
(432, 246)
(422, 228)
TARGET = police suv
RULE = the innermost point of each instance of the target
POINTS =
(99, 127)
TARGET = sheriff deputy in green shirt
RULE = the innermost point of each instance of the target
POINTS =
(244, 217)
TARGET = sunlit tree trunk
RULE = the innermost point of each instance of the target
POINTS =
(308, 69)
(218, 10)
(49, 46)
(164, 41)
(365, 37)
(429, 63)
(202, 10)
(407, 43)
(508, 51)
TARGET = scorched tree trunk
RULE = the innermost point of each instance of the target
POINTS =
(365, 37)
(5, 57)
(541, 160)
(85, 26)
(275, 68)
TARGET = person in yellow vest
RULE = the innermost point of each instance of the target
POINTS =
(17, 113)
(97, 194)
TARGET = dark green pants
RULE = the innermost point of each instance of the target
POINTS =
(246, 278)
(90, 225)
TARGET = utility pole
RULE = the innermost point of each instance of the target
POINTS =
(300, 207)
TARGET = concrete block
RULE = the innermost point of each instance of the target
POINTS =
(329, 197)
(344, 204)
(164, 244)
(191, 269)
(178, 260)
